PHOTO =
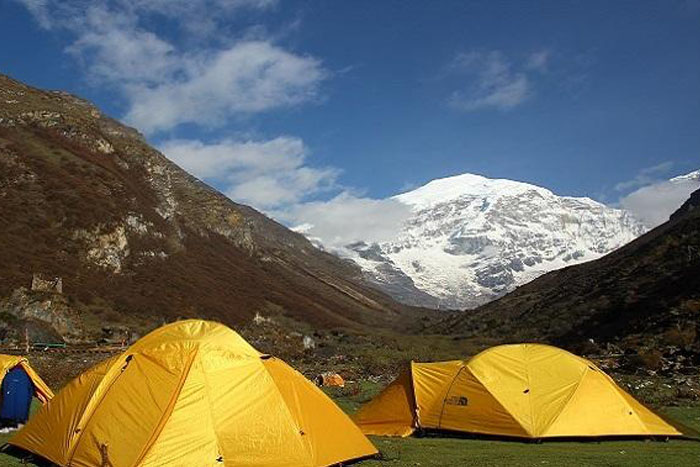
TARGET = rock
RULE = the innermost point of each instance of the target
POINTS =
(260, 319)
(49, 308)
(308, 343)
(41, 283)
(117, 335)
(106, 250)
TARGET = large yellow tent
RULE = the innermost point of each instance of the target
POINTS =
(8, 362)
(192, 393)
(524, 390)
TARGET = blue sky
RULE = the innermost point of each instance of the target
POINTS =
(283, 104)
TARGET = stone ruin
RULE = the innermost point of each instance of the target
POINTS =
(41, 283)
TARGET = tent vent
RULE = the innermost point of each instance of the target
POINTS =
(127, 361)
(526, 391)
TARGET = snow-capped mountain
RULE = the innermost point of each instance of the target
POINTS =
(471, 239)
(692, 176)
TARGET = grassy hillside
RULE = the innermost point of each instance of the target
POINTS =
(138, 241)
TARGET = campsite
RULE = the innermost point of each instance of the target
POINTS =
(326, 233)
(454, 449)
(451, 451)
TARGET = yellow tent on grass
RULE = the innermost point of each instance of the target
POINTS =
(192, 393)
(9, 362)
(524, 390)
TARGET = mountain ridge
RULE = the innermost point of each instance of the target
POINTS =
(135, 238)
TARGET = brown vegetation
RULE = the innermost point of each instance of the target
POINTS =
(66, 202)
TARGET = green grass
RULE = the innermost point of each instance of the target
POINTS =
(6, 460)
(9, 461)
(445, 451)
(450, 451)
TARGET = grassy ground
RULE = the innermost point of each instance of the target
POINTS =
(10, 461)
(454, 452)
(445, 451)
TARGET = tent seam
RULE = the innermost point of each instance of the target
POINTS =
(485, 386)
(574, 392)
(416, 415)
(449, 388)
(88, 418)
(168, 411)
(526, 364)
(44, 393)
(211, 412)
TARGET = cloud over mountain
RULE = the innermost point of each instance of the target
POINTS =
(655, 202)
(268, 174)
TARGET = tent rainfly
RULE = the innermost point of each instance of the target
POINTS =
(523, 391)
(192, 393)
(19, 383)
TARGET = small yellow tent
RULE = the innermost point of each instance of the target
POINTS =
(524, 390)
(8, 362)
(330, 379)
(192, 393)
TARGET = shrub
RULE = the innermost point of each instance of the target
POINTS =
(690, 306)
(681, 336)
(651, 359)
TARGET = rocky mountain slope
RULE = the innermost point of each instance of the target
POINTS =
(643, 297)
(136, 240)
(472, 239)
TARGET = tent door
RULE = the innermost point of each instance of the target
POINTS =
(17, 391)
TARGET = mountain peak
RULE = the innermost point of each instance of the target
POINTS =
(472, 185)
(695, 175)
(471, 239)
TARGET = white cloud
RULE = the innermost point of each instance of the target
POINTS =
(39, 9)
(191, 15)
(492, 82)
(645, 176)
(273, 176)
(346, 219)
(268, 174)
(115, 51)
(204, 7)
(654, 203)
(165, 84)
(249, 77)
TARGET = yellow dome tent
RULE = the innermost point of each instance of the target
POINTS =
(192, 393)
(8, 362)
(524, 390)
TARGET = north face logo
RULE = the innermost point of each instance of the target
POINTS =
(457, 400)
